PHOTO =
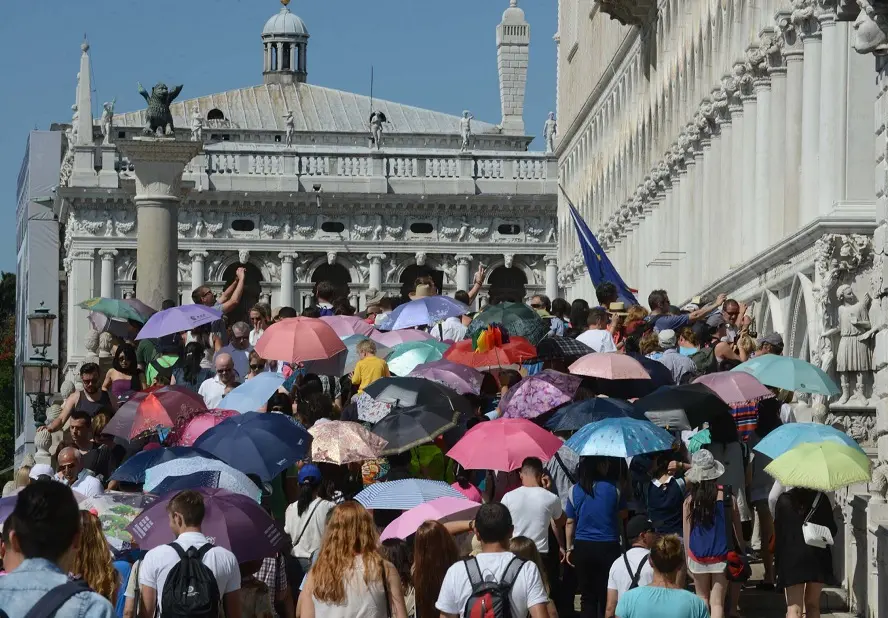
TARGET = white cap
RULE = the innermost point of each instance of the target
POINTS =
(40, 470)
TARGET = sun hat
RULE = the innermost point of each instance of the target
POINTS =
(309, 473)
(617, 308)
(374, 296)
(421, 291)
(704, 467)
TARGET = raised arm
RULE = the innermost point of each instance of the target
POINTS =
(477, 284)
(702, 312)
(235, 298)
(60, 420)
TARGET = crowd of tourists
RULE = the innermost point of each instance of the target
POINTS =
(668, 533)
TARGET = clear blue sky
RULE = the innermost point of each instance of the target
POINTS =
(436, 54)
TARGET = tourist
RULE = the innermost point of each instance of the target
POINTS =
(186, 512)
(543, 306)
(92, 561)
(729, 313)
(280, 403)
(703, 356)
(190, 372)
(239, 349)
(594, 510)
(350, 577)
(533, 509)
(527, 594)
(227, 302)
(214, 389)
(633, 568)
(80, 428)
(664, 494)
(257, 365)
(579, 318)
(434, 552)
(561, 310)
(761, 484)
(597, 336)
(802, 569)
(617, 313)
(92, 399)
(385, 309)
(464, 486)
(10, 559)
(710, 513)
(98, 458)
(663, 597)
(325, 293)
(400, 553)
(71, 473)
(210, 343)
(681, 367)
(370, 367)
(306, 520)
(273, 573)
(526, 549)
(660, 317)
(456, 327)
(255, 597)
(285, 313)
(372, 299)
(260, 320)
(606, 293)
(124, 378)
(44, 528)
(169, 353)
(772, 343)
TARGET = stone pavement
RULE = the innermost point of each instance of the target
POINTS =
(759, 604)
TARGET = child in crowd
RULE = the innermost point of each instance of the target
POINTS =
(370, 368)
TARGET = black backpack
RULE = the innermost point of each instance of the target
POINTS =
(491, 599)
(190, 590)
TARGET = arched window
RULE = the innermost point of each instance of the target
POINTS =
(335, 273)
(508, 284)
(215, 114)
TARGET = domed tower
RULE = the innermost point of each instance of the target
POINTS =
(285, 48)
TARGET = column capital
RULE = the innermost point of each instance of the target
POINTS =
(463, 260)
(108, 254)
(376, 258)
(82, 254)
(551, 260)
(198, 254)
(789, 36)
(287, 257)
(804, 17)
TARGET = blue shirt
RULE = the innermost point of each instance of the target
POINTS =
(123, 569)
(669, 322)
(21, 589)
(596, 517)
(647, 601)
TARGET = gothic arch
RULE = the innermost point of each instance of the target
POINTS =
(799, 322)
(353, 272)
(769, 315)
(218, 273)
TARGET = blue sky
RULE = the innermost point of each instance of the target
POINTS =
(440, 55)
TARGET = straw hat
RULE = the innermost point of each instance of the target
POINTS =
(704, 467)
(422, 291)
(617, 308)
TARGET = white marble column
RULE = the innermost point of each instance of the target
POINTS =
(552, 276)
(811, 87)
(734, 182)
(375, 275)
(107, 280)
(792, 182)
(747, 215)
(699, 213)
(683, 238)
(777, 170)
(830, 90)
(198, 276)
(81, 286)
(762, 160)
(463, 276)
(287, 258)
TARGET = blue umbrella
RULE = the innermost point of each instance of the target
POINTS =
(620, 437)
(133, 469)
(196, 472)
(792, 374)
(404, 495)
(423, 312)
(252, 394)
(256, 443)
(575, 415)
(791, 435)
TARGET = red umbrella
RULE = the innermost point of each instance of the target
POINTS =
(516, 351)
(147, 410)
(503, 444)
(298, 340)
(609, 366)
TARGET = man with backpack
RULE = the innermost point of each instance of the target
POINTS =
(43, 530)
(495, 583)
(190, 577)
(632, 569)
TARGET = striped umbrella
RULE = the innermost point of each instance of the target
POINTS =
(405, 494)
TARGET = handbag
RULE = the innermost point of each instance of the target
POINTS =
(816, 535)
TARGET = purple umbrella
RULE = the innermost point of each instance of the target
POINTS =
(177, 320)
(536, 395)
(461, 378)
(231, 520)
(7, 506)
(423, 312)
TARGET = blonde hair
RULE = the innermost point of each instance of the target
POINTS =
(92, 561)
(746, 343)
(667, 555)
(22, 477)
(98, 423)
(636, 312)
(350, 532)
(366, 345)
(526, 549)
(650, 342)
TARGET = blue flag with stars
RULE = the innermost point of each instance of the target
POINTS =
(600, 267)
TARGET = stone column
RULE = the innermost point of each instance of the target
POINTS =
(552, 276)
(777, 170)
(813, 50)
(701, 210)
(830, 90)
(375, 275)
(791, 182)
(747, 215)
(159, 163)
(463, 274)
(198, 275)
(107, 280)
(734, 182)
(81, 286)
(762, 162)
(287, 277)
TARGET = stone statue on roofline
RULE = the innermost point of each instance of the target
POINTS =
(107, 120)
(196, 125)
(550, 130)
(159, 117)
(465, 130)
(290, 122)
(377, 119)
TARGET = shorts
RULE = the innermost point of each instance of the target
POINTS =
(713, 568)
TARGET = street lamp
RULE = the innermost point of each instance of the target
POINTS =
(39, 374)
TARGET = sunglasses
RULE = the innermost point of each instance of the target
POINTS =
(257, 367)
(535, 306)
(225, 370)
(66, 466)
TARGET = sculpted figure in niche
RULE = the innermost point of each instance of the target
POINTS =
(465, 130)
(550, 130)
(854, 356)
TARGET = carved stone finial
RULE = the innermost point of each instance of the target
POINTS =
(91, 342)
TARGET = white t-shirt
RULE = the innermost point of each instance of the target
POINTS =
(598, 340)
(213, 391)
(456, 589)
(620, 579)
(532, 508)
(89, 486)
(311, 530)
(157, 564)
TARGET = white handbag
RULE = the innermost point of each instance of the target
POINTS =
(816, 535)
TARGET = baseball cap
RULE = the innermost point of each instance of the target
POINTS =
(309, 473)
(667, 338)
(40, 470)
(637, 526)
(772, 339)
(715, 320)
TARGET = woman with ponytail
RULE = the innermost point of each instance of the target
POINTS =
(306, 519)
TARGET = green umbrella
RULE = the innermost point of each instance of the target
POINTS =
(825, 466)
(518, 320)
(406, 356)
(792, 374)
(114, 308)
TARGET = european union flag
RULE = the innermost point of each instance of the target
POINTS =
(600, 267)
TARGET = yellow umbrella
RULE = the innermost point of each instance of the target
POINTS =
(826, 466)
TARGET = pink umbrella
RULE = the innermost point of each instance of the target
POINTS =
(735, 387)
(393, 338)
(158, 407)
(536, 395)
(609, 366)
(464, 380)
(297, 340)
(503, 444)
(346, 325)
(196, 426)
(439, 509)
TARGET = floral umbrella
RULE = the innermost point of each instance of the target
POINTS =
(116, 510)
(538, 394)
(343, 442)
